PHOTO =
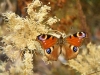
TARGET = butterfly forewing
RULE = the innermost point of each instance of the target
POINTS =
(76, 39)
(47, 41)
(68, 51)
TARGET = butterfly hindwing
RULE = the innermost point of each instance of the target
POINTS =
(69, 51)
(53, 52)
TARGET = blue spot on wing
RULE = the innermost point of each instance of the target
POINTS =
(75, 49)
(48, 50)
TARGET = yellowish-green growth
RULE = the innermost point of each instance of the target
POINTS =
(22, 32)
(87, 62)
(20, 36)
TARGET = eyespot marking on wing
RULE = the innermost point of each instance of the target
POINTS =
(81, 34)
(49, 50)
(74, 48)
(42, 37)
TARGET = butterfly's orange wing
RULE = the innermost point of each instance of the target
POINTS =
(49, 44)
(46, 41)
(53, 52)
(76, 39)
(69, 51)
(52, 45)
(70, 48)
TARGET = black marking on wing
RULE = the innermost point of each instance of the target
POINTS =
(75, 35)
(48, 36)
(70, 37)
(43, 35)
(80, 33)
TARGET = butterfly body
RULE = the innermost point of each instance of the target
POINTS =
(54, 46)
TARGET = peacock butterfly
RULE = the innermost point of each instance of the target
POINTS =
(68, 46)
